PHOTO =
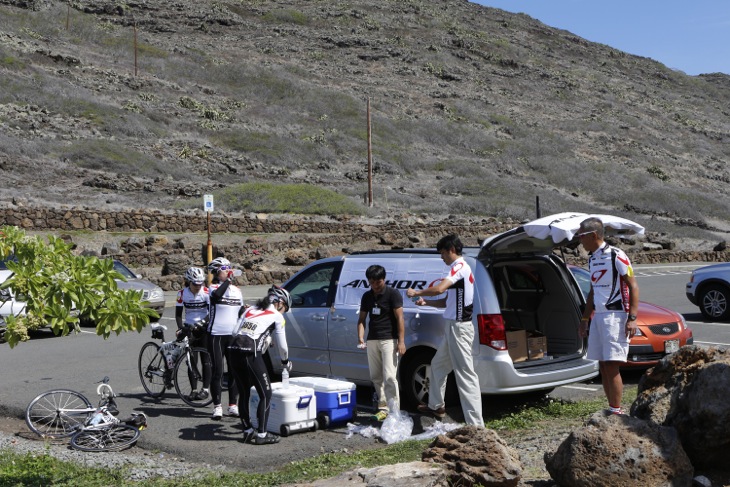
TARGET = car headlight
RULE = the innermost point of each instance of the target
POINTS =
(156, 294)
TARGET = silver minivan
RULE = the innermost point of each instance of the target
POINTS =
(520, 284)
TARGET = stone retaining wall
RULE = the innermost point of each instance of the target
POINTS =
(308, 235)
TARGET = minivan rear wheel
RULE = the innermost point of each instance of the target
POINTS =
(415, 380)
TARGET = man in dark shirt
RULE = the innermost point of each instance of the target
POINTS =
(385, 341)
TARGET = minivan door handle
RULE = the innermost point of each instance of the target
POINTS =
(316, 317)
(338, 317)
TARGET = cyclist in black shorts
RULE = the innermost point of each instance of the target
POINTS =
(250, 341)
(226, 301)
(193, 301)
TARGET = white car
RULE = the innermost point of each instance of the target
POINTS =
(8, 304)
(709, 288)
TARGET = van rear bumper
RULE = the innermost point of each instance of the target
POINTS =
(499, 375)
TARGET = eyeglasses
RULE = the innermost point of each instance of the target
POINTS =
(225, 267)
(579, 235)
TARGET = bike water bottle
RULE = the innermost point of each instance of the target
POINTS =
(97, 418)
(285, 378)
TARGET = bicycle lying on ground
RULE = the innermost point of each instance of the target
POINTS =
(61, 413)
(175, 364)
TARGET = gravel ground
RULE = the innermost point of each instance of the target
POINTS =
(142, 464)
(138, 463)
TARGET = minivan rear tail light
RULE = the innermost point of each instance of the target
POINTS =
(491, 331)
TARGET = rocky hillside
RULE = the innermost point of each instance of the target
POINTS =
(473, 111)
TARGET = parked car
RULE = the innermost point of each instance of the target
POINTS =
(8, 304)
(661, 331)
(520, 284)
(709, 288)
(152, 293)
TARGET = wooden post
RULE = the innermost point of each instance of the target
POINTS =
(209, 249)
(370, 161)
(135, 57)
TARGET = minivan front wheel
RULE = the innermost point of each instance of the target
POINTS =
(415, 380)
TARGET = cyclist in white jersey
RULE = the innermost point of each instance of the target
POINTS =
(613, 301)
(193, 302)
(455, 353)
(226, 302)
(251, 340)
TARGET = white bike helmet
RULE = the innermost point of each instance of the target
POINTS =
(218, 264)
(195, 275)
(279, 294)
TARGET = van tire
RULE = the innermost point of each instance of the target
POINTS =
(414, 380)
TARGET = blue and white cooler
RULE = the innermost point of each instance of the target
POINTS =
(293, 408)
(336, 399)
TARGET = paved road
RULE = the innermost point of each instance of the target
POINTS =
(78, 362)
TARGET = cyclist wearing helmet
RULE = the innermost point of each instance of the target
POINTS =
(194, 301)
(226, 301)
(251, 340)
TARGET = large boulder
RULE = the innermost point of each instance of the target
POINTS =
(688, 390)
(475, 456)
(620, 451)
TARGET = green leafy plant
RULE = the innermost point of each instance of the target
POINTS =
(285, 198)
(58, 286)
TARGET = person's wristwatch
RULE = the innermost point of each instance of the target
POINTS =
(632, 317)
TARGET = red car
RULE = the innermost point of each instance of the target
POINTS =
(661, 330)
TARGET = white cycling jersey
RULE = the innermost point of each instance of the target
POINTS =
(224, 313)
(195, 305)
(606, 265)
(258, 324)
(460, 296)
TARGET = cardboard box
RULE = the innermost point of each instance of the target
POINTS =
(517, 345)
(536, 345)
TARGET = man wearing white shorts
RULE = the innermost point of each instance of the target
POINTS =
(613, 301)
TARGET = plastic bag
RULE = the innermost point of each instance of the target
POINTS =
(366, 431)
(436, 429)
(398, 426)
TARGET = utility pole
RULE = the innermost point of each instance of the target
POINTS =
(135, 56)
(370, 161)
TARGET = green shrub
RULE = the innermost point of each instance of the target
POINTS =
(118, 157)
(284, 198)
(286, 16)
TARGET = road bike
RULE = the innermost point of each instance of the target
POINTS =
(175, 364)
(61, 413)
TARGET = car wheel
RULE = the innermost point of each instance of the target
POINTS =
(714, 302)
(415, 380)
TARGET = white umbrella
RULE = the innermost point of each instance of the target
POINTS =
(563, 226)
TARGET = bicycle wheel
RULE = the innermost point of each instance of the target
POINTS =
(114, 437)
(58, 413)
(153, 370)
(189, 377)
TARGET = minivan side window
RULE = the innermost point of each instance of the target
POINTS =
(312, 288)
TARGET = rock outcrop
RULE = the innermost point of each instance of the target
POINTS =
(688, 390)
(620, 451)
(476, 456)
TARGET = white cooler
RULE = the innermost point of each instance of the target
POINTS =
(293, 408)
